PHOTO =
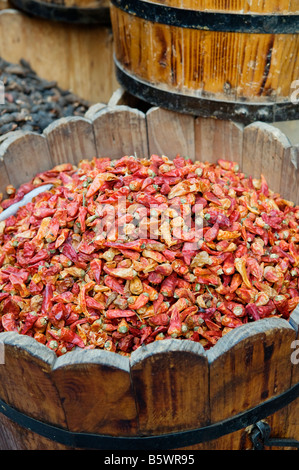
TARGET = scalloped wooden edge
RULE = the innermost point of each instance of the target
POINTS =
(243, 332)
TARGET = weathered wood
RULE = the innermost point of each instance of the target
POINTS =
(170, 133)
(71, 140)
(248, 367)
(171, 382)
(292, 412)
(120, 131)
(93, 109)
(25, 155)
(96, 392)
(120, 97)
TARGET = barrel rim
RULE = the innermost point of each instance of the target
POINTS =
(60, 13)
(210, 20)
(244, 112)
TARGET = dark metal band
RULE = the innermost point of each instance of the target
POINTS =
(238, 111)
(160, 442)
(210, 21)
(56, 12)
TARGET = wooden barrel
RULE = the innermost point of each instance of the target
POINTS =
(168, 394)
(68, 11)
(231, 60)
(62, 52)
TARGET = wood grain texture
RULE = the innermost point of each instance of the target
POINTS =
(4, 178)
(249, 367)
(96, 392)
(215, 139)
(71, 140)
(25, 155)
(264, 150)
(289, 187)
(169, 378)
(15, 437)
(292, 412)
(170, 133)
(25, 379)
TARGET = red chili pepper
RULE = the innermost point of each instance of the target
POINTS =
(211, 233)
(252, 311)
(96, 269)
(9, 322)
(71, 337)
(168, 285)
(47, 299)
(31, 318)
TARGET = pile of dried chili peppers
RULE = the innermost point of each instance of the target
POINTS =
(121, 253)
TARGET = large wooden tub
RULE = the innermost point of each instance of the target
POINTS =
(79, 57)
(232, 60)
(169, 394)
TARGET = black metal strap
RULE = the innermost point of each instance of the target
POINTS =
(211, 21)
(260, 437)
(160, 442)
(239, 111)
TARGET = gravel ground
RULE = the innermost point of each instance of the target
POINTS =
(32, 103)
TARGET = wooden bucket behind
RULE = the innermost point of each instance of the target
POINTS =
(78, 57)
(170, 386)
(69, 11)
(231, 60)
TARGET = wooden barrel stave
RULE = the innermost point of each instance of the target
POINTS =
(96, 392)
